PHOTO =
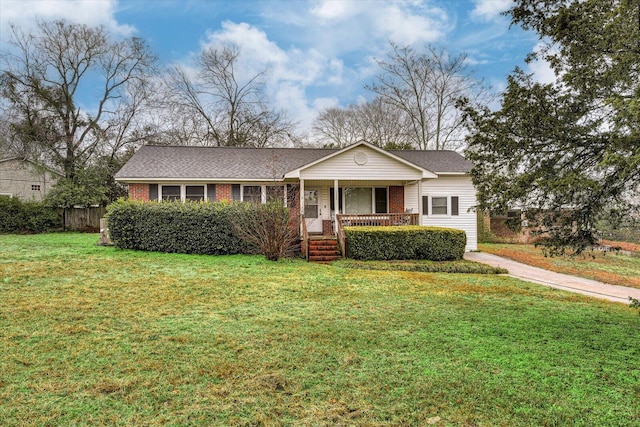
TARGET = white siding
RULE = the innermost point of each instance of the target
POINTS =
(345, 167)
(447, 186)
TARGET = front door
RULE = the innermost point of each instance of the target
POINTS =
(311, 211)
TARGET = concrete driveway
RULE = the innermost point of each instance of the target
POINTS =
(556, 280)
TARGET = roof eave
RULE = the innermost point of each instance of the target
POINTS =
(199, 180)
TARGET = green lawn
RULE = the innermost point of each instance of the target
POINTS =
(99, 336)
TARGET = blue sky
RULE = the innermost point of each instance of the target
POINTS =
(319, 53)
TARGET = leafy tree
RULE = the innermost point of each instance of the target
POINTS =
(426, 88)
(568, 152)
(215, 106)
(45, 71)
(85, 189)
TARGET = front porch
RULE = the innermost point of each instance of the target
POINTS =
(331, 243)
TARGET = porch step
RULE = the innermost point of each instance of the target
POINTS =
(323, 250)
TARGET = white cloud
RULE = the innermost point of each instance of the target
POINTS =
(541, 69)
(405, 27)
(289, 72)
(488, 10)
(344, 26)
(337, 10)
(93, 13)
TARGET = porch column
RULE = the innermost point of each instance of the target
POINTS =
(336, 205)
(420, 202)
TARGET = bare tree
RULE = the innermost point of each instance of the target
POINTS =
(426, 87)
(44, 73)
(231, 111)
(376, 122)
(337, 127)
(383, 125)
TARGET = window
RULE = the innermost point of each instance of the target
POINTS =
(171, 192)
(235, 192)
(381, 200)
(311, 203)
(194, 192)
(35, 187)
(358, 200)
(438, 206)
(252, 194)
(361, 200)
(441, 205)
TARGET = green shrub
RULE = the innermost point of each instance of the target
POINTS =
(198, 228)
(423, 266)
(410, 242)
(17, 216)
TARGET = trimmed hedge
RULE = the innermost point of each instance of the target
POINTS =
(17, 216)
(192, 227)
(409, 242)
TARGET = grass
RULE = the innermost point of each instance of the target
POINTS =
(608, 267)
(99, 336)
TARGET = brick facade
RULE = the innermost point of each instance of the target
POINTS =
(224, 192)
(139, 192)
(396, 199)
(293, 203)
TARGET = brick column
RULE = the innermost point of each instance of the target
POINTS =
(224, 192)
(293, 203)
(396, 199)
(139, 192)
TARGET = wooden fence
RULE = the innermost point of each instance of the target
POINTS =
(83, 219)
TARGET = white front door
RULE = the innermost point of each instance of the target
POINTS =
(311, 211)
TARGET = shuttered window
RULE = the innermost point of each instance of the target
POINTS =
(381, 199)
(438, 206)
(153, 192)
(454, 205)
(211, 192)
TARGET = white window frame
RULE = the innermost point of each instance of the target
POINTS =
(183, 190)
(449, 206)
(373, 197)
(263, 191)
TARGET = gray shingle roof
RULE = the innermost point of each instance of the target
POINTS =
(438, 161)
(228, 163)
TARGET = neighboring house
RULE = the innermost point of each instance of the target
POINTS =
(369, 185)
(25, 179)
